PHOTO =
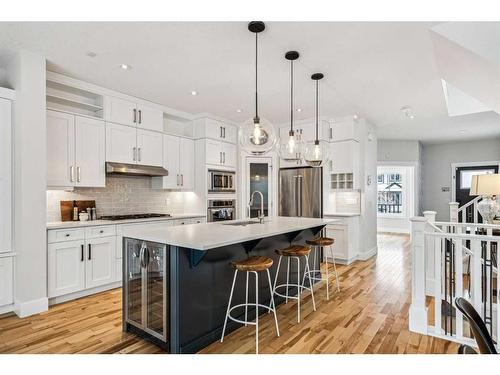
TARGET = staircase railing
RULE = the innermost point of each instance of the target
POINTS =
(451, 260)
(467, 211)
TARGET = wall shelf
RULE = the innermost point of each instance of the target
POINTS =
(70, 99)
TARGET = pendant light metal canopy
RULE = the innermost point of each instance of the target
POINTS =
(317, 154)
(257, 135)
(293, 148)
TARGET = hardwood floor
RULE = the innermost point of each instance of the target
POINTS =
(369, 315)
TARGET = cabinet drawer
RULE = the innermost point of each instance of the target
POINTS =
(60, 235)
(101, 231)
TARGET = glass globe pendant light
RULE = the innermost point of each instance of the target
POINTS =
(257, 135)
(292, 149)
(316, 154)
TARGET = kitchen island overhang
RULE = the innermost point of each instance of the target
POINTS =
(184, 292)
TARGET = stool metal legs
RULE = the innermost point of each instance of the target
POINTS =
(270, 308)
(317, 254)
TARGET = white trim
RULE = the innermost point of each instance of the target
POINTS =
(368, 254)
(7, 254)
(393, 230)
(24, 309)
(6, 93)
(6, 309)
(466, 164)
(84, 293)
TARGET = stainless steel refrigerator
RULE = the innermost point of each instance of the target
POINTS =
(301, 192)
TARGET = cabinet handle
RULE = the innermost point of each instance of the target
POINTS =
(134, 153)
(178, 183)
(220, 130)
(224, 132)
(182, 180)
(71, 174)
(220, 157)
(81, 258)
(90, 251)
(78, 174)
(135, 115)
(140, 116)
(223, 158)
(331, 133)
(139, 153)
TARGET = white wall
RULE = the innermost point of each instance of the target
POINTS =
(437, 160)
(26, 74)
(389, 150)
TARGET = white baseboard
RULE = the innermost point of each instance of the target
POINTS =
(7, 309)
(368, 254)
(84, 293)
(393, 230)
(24, 309)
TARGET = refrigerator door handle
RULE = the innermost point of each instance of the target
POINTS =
(141, 255)
(300, 181)
(296, 195)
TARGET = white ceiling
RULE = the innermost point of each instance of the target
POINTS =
(371, 69)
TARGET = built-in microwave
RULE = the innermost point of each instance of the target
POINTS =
(221, 181)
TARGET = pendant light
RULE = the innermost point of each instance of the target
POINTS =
(292, 149)
(317, 154)
(257, 135)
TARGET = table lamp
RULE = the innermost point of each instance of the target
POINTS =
(488, 186)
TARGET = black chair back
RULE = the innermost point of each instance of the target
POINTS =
(479, 330)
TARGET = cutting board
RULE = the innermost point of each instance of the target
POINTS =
(67, 208)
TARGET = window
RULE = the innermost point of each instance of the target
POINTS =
(390, 192)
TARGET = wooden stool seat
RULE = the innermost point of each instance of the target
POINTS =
(253, 263)
(294, 251)
(321, 241)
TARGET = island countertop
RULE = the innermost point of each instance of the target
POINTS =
(212, 235)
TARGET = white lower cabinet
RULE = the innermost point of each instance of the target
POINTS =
(66, 267)
(345, 232)
(6, 281)
(339, 248)
(100, 265)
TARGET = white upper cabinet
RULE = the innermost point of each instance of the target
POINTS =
(121, 144)
(129, 113)
(344, 129)
(229, 157)
(220, 153)
(214, 129)
(120, 111)
(5, 177)
(60, 149)
(149, 148)
(90, 152)
(178, 160)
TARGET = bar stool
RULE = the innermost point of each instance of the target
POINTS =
(294, 252)
(253, 264)
(317, 243)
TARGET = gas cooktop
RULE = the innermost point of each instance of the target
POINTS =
(133, 216)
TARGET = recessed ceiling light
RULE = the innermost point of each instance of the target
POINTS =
(299, 109)
(408, 112)
(238, 110)
(194, 92)
(91, 54)
(355, 117)
(125, 66)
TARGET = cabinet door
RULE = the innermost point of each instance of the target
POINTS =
(213, 152)
(229, 133)
(5, 176)
(342, 155)
(101, 261)
(60, 149)
(149, 148)
(6, 281)
(66, 267)
(171, 162)
(90, 151)
(214, 129)
(186, 163)
(308, 132)
(120, 111)
(339, 234)
(343, 130)
(149, 118)
(229, 156)
(121, 142)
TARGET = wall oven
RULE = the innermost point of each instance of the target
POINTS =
(221, 210)
(221, 181)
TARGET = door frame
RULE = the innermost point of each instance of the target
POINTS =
(466, 164)
(273, 193)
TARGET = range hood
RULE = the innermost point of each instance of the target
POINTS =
(134, 170)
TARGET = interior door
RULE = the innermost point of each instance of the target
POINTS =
(90, 151)
(149, 148)
(259, 177)
(101, 265)
(310, 192)
(60, 149)
(120, 143)
(463, 177)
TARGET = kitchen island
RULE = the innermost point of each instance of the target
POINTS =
(177, 279)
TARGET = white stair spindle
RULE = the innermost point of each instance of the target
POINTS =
(454, 212)
(437, 285)
(459, 276)
(476, 275)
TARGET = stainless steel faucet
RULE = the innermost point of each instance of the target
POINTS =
(261, 211)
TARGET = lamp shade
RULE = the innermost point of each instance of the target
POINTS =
(485, 184)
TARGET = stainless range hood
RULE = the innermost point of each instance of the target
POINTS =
(134, 170)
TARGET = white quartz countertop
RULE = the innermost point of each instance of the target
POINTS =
(211, 235)
(340, 214)
(92, 223)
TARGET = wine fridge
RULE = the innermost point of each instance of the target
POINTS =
(145, 290)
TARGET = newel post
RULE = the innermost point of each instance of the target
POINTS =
(454, 212)
(418, 311)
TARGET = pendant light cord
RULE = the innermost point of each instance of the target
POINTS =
(291, 96)
(317, 85)
(256, 62)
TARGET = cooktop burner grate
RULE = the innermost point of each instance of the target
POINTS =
(133, 216)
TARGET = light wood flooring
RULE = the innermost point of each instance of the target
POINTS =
(369, 315)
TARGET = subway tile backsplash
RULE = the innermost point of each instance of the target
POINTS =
(126, 195)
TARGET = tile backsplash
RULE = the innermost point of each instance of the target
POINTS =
(345, 202)
(127, 195)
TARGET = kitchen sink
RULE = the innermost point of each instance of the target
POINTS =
(242, 223)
